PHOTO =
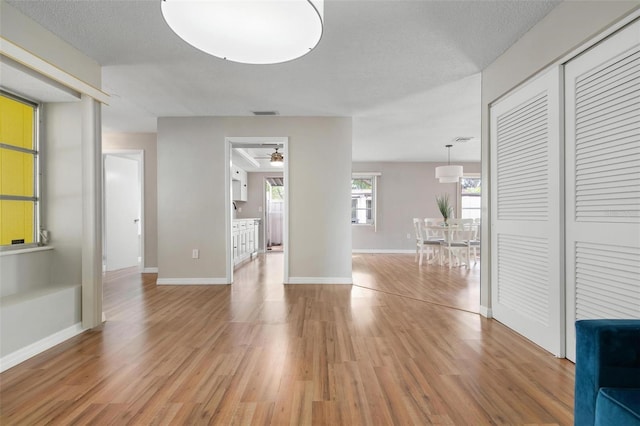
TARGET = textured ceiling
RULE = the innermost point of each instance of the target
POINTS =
(406, 71)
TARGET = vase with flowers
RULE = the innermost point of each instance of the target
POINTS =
(445, 208)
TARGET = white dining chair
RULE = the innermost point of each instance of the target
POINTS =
(474, 243)
(434, 234)
(457, 244)
(423, 242)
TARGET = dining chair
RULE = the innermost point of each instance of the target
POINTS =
(422, 242)
(465, 223)
(434, 232)
(457, 244)
(474, 243)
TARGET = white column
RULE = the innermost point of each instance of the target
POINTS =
(91, 213)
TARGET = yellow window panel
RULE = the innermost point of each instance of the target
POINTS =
(16, 173)
(16, 123)
(16, 221)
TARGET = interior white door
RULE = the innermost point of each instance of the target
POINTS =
(122, 212)
(602, 92)
(526, 211)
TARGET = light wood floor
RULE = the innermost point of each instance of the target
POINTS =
(400, 274)
(259, 352)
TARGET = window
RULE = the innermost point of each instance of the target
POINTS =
(470, 196)
(19, 171)
(363, 198)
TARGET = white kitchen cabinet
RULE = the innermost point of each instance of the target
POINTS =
(245, 239)
(238, 184)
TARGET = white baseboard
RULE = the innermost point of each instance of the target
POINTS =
(383, 251)
(40, 346)
(191, 281)
(150, 270)
(320, 280)
(486, 312)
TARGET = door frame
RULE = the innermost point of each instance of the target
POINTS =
(238, 140)
(138, 155)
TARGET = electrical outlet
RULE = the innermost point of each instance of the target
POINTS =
(239, 209)
(195, 254)
(408, 236)
(260, 209)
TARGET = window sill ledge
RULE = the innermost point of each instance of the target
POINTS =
(24, 251)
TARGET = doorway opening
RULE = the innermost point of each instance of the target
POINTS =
(123, 227)
(249, 161)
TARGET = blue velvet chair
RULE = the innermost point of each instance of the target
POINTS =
(607, 386)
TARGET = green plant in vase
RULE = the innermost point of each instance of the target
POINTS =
(443, 205)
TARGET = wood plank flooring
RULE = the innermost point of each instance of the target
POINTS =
(259, 352)
(400, 274)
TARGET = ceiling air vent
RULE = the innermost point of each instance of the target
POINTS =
(461, 139)
(265, 113)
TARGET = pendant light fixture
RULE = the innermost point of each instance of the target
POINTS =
(248, 31)
(277, 160)
(449, 173)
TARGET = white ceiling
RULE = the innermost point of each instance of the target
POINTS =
(406, 71)
(261, 158)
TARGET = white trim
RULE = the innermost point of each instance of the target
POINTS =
(150, 270)
(29, 60)
(24, 251)
(374, 190)
(38, 347)
(389, 251)
(486, 312)
(192, 281)
(228, 215)
(320, 280)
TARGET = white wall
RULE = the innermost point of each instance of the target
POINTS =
(43, 288)
(23, 31)
(147, 143)
(405, 191)
(190, 198)
(24, 272)
(63, 190)
(564, 29)
(191, 193)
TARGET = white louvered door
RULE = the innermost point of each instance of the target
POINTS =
(526, 212)
(602, 93)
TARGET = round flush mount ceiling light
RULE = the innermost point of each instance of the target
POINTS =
(248, 31)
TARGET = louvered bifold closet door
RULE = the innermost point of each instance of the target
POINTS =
(603, 181)
(526, 211)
